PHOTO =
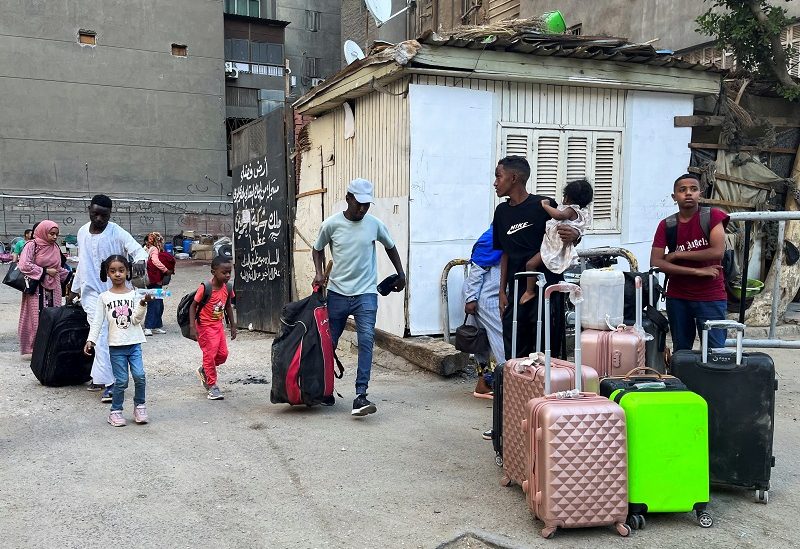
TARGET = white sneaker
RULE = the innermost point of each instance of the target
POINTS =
(148, 332)
(159, 331)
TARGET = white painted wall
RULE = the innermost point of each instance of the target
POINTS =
(654, 153)
(452, 170)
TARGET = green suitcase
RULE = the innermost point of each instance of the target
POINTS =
(667, 450)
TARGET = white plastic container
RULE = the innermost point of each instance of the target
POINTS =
(603, 298)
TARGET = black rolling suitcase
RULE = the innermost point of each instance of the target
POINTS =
(654, 323)
(740, 391)
(58, 357)
(497, 416)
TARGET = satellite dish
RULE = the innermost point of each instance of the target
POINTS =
(352, 52)
(381, 10)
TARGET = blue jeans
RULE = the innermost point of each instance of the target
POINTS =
(121, 357)
(687, 319)
(155, 310)
(364, 308)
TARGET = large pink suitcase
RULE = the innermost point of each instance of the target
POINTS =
(616, 352)
(524, 379)
(576, 449)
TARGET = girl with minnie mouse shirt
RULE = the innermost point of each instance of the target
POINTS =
(124, 313)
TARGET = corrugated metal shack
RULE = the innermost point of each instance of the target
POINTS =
(428, 119)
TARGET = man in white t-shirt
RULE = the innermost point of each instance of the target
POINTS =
(352, 286)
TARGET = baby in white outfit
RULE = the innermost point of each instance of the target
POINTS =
(555, 254)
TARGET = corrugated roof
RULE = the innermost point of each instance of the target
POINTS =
(599, 48)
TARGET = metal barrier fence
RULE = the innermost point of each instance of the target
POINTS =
(749, 218)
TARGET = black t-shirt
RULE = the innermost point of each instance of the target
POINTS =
(519, 231)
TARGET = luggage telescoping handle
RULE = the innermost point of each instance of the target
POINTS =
(566, 287)
(540, 281)
(727, 324)
(638, 282)
(653, 273)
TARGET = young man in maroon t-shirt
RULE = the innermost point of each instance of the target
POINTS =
(696, 286)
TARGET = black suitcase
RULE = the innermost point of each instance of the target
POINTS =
(740, 391)
(497, 416)
(654, 323)
(58, 357)
(640, 379)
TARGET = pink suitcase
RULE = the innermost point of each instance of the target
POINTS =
(576, 445)
(523, 379)
(616, 352)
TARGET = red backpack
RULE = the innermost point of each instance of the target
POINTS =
(303, 356)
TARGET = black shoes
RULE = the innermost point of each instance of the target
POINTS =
(362, 406)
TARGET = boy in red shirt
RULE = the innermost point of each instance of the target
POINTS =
(206, 327)
(696, 286)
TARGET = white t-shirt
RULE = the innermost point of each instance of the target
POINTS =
(124, 315)
(93, 249)
(355, 262)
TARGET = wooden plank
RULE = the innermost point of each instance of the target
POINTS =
(566, 71)
(715, 121)
(727, 203)
(310, 193)
(715, 146)
(725, 177)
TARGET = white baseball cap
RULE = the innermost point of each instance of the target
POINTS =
(361, 189)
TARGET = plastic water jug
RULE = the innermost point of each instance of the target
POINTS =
(169, 248)
(187, 246)
(603, 298)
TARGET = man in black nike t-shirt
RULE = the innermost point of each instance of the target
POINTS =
(519, 225)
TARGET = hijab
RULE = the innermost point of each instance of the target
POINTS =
(483, 253)
(46, 255)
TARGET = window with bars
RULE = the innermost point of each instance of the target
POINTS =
(311, 66)
(557, 157)
(312, 20)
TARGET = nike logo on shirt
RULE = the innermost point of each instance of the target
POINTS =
(518, 227)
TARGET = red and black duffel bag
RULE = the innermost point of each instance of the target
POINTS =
(303, 356)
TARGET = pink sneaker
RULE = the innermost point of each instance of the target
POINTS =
(115, 419)
(140, 413)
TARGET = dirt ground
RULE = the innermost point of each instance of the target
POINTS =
(245, 473)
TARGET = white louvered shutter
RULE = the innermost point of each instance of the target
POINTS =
(579, 145)
(606, 180)
(517, 142)
(545, 173)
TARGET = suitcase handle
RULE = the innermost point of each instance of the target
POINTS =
(566, 287)
(643, 369)
(727, 324)
(541, 281)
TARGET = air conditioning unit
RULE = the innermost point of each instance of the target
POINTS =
(317, 81)
(231, 71)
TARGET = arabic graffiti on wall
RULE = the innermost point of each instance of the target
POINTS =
(260, 223)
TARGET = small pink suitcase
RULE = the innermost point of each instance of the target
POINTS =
(576, 445)
(523, 379)
(616, 352)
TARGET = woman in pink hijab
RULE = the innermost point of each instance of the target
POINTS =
(40, 260)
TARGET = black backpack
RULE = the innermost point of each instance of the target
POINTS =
(186, 303)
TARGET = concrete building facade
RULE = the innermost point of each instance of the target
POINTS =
(123, 97)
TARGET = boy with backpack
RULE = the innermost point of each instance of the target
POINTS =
(695, 238)
(211, 302)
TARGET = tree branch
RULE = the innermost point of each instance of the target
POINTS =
(777, 63)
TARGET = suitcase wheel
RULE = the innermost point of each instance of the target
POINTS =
(705, 519)
(762, 496)
(623, 529)
(549, 532)
(636, 522)
(498, 460)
